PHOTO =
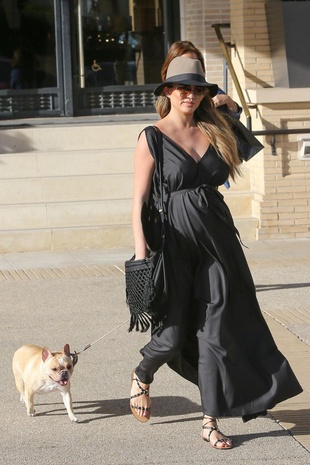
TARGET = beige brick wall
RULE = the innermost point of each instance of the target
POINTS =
(249, 33)
(285, 210)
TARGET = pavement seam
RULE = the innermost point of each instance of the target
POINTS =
(271, 315)
(72, 272)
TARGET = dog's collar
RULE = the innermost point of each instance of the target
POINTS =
(75, 358)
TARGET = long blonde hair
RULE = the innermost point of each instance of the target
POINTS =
(214, 125)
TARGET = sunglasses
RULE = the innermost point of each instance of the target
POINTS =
(187, 90)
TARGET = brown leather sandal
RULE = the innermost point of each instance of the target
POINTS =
(227, 443)
(135, 409)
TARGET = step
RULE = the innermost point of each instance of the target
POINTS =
(92, 237)
(66, 189)
(95, 237)
(68, 163)
(58, 137)
(65, 214)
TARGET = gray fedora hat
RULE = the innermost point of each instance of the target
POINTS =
(188, 71)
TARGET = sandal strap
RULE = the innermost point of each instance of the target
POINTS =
(143, 392)
(223, 441)
(211, 420)
(144, 409)
(213, 428)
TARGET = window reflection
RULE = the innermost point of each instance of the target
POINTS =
(122, 42)
(115, 42)
(27, 44)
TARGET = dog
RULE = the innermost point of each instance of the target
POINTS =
(37, 370)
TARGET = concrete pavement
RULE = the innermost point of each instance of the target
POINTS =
(77, 297)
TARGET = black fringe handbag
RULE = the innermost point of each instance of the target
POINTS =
(146, 283)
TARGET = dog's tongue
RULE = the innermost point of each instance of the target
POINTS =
(63, 382)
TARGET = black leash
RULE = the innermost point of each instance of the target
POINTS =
(75, 354)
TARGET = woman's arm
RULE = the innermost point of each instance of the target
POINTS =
(144, 166)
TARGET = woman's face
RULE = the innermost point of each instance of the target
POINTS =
(184, 98)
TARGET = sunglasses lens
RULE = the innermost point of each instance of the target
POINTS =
(199, 90)
(187, 90)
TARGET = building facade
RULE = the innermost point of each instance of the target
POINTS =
(100, 60)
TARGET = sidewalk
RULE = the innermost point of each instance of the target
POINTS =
(77, 297)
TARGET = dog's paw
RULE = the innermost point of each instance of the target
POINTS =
(73, 418)
(32, 414)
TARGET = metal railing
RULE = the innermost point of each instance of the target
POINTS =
(272, 132)
(223, 44)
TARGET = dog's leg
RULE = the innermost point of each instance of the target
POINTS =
(67, 399)
(28, 399)
(19, 383)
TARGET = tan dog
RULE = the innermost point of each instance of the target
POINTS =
(37, 370)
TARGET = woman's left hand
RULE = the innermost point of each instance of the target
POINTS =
(224, 99)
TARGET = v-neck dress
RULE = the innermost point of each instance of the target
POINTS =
(215, 335)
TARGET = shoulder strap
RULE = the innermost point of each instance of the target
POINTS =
(155, 143)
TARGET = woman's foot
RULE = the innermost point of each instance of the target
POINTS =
(213, 435)
(140, 402)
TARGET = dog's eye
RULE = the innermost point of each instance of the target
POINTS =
(54, 369)
(69, 367)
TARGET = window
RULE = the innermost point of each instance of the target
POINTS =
(120, 42)
(27, 44)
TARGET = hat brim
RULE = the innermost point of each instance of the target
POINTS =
(212, 88)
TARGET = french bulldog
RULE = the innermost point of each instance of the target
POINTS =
(37, 370)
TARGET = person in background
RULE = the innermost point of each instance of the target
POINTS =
(214, 333)
(23, 69)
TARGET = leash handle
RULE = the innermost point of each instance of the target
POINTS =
(86, 347)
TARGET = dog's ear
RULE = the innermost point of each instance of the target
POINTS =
(66, 350)
(46, 353)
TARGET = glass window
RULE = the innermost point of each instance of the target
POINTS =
(27, 44)
(119, 42)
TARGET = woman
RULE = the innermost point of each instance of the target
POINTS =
(186, 48)
(214, 334)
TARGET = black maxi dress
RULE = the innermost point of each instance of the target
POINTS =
(214, 335)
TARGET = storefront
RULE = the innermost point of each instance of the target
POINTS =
(82, 57)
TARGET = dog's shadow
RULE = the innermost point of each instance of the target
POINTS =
(163, 406)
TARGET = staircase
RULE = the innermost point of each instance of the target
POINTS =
(69, 186)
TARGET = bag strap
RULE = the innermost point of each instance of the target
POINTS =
(157, 152)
